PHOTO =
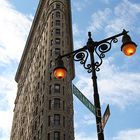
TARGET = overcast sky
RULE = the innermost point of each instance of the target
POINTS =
(118, 79)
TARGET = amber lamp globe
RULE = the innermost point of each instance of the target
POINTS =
(128, 47)
(60, 73)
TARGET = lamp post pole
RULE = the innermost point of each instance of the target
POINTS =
(98, 115)
(99, 49)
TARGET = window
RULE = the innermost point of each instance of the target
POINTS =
(57, 31)
(50, 102)
(48, 136)
(64, 137)
(56, 88)
(41, 128)
(57, 41)
(52, 15)
(51, 32)
(52, 42)
(63, 105)
(49, 120)
(58, 14)
(50, 89)
(57, 22)
(35, 125)
(43, 98)
(56, 135)
(38, 84)
(56, 103)
(42, 111)
(58, 6)
(57, 51)
(52, 24)
(56, 119)
(36, 111)
(64, 121)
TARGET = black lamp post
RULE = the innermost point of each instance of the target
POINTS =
(91, 49)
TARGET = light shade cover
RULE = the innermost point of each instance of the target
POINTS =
(60, 73)
(129, 49)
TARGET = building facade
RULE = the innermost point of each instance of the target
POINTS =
(44, 105)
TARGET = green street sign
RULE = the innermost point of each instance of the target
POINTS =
(83, 99)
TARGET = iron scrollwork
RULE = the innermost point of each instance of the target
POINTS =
(101, 50)
(82, 57)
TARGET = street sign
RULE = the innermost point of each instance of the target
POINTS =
(105, 117)
(83, 99)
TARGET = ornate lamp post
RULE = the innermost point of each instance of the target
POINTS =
(91, 49)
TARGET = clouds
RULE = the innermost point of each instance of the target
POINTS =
(122, 135)
(114, 85)
(112, 20)
(79, 5)
(7, 97)
(99, 19)
(128, 135)
(14, 27)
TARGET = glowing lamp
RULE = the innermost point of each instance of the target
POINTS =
(128, 47)
(60, 71)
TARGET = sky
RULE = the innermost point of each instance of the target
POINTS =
(118, 79)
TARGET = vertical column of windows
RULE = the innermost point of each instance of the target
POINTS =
(55, 103)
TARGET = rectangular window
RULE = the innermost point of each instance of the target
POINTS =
(50, 89)
(58, 6)
(49, 120)
(52, 24)
(52, 32)
(52, 42)
(57, 31)
(63, 105)
(57, 51)
(56, 135)
(57, 41)
(38, 85)
(41, 128)
(50, 102)
(35, 125)
(64, 137)
(36, 111)
(56, 119)
(57, 22)
(56, 88)
(48, 136)
(58, 14)
(64, 121)
(52, 15)
(56, 103)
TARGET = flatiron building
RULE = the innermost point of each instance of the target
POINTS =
(44, 105)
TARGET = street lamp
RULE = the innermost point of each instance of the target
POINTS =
(91, 49)
(60, 71)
